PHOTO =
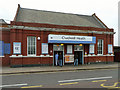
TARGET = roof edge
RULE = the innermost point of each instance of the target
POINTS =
(17, 12)
(99, 20)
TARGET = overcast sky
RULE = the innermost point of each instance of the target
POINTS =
(106, 10)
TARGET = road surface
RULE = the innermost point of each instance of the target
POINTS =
(106, 78)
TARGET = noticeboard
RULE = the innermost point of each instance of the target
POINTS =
(110, 49)
(6, 48)
(91, 49)
(44, 48)
(69, 58)
(1, 48)
(16, 47)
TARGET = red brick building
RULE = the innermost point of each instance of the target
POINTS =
(4, 43)
(36, 36)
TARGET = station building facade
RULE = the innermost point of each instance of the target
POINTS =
(36, 36)
(4, 43)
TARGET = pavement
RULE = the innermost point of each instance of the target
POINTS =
(40, 69)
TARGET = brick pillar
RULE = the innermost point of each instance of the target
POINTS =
(12, 38)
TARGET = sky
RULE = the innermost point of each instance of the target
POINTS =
(106, 10)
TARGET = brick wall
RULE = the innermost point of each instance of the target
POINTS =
(5, 61)
(94, 59)
(19, 35)
(30, 61)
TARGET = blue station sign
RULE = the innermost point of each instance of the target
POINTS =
(52, 38)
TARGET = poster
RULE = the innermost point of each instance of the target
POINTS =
(110, 48)
(16, 47)
(69, 48)
(6, 48)
(91, 49)
(69, 58)
(1, 48)
(44, 48)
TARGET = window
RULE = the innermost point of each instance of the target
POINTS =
(100, 46)
(31, 45)
(78, 47)
(69, 49)
(58, 47)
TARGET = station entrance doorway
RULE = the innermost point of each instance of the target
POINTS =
(78, 50)
(58, 49)
(55, 61)
(80, 56)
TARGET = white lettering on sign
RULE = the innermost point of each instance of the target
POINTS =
(69, 38)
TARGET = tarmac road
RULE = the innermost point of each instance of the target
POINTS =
(105, 78)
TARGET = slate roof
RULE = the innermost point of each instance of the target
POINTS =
(57, 18)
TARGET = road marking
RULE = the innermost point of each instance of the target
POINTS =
(14, 85)
(113, 86)
(32, 86)
(68, 83)
(85, 79)
(99, 81)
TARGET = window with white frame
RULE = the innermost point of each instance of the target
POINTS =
(31, 45)
(100, 46)
(69, 49)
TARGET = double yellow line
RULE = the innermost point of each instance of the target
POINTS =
(103, 84)
(113, 86)
(42, 85)
(32, 86)
(68, 83)
(99, 81)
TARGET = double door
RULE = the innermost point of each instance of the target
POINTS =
(80, 56)
(58, 52)
(58, 49)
